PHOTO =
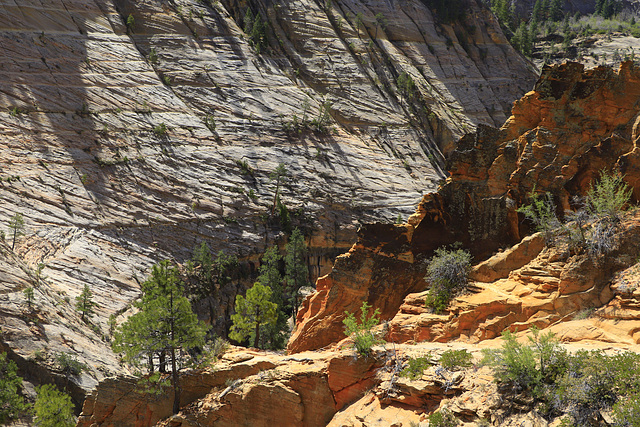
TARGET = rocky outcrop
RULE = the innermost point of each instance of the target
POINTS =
(130, 131)
(550, 289)
(244, 388)
(561, 135)
(326, 388)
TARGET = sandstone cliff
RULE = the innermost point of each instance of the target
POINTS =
(572, 125)
(132, 131)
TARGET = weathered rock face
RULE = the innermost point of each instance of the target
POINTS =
(572, 125)
(122, 144)
(528, 286)
(329, 388)
(245, 389)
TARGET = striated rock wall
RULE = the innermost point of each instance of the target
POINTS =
(123, 144)
(573, 124)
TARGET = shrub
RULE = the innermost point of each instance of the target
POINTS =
(153, 56)
(626, 412)
(416, 367)
(160, 130)
(447, 272)
(592, 227)
(442, 418)
(594, 382)
(70, 365)
(542, 212)
(608, 198)
(53, 408)
(361, 333)
(131, 22)
(455, 359)
(528, 367)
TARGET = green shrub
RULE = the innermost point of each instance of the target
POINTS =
(416, 367)
(608, 198)
(455, 359)
(594, 382)
(361, 332)
(542, 212)
(53, 408)
(153, 56)
(626, 412)
(160, 130)
(447, 273)
(593, 226)
(528, 367)
(442, 418)
(131, 22)
(70, 365)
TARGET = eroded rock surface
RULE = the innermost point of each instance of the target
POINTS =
(574, 124)
(124, 141)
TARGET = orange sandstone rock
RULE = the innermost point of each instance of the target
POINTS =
(560, 135)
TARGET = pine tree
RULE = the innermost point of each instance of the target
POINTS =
(53, 408)
(206, 275)
(16, 224)
(253, 313)
(28, 296)
(296, 271)
(279, 175)
(85, 304)
(555, 10)
(165, 324)
(537, 11)
(273, 334)
(11, 402)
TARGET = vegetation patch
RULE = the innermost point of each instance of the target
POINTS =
(447, 273)
(361, 331)
(454, 360)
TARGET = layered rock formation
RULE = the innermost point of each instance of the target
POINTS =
(572, 125)
(132, 131)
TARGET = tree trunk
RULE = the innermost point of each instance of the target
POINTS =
(275, 196)
(256, 340)
(176, 385)
(162, 364)
(150, 363)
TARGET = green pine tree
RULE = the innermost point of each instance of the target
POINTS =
(253, 313)
(11, 402)
(272, 335)
(279, 175)
(16, 224)
(296, 270)
(28, 296)
(207, 275)
(53, 408)
(85, 304)
(165, 324)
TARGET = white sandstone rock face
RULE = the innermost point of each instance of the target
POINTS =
(122, 147)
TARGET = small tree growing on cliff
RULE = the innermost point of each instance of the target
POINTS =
(165, 324)
(279, 175)
(85, 304)
(16, 224)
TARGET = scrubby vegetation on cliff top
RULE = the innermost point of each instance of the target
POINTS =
(548, 33)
